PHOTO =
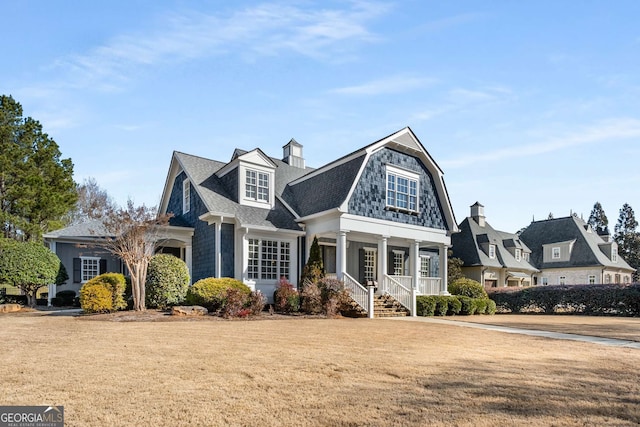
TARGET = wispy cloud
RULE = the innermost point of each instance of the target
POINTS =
(388, 85)
(265, 30)
(607, 130)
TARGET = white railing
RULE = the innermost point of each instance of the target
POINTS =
(357, 292)
(406, 281)
(399, 292)
(428, 286)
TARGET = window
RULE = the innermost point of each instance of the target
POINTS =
(186, 196)
(545, 281)
(526, 256)
(402, 189)
(627, 279)
(518, 254)
(616, 278)
(425, 266)
(607, 278)
(614, 254)
(562, 280)
(555, 253)
(492, 251)
(369, 265)
(268, 259)
(257, 186)
(398, 263)
(90, 268)
(592, 279)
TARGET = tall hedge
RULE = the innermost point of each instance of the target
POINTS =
(167, 281)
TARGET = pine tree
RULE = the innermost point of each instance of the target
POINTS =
(598, 219)
(313, 270)
(626, 236)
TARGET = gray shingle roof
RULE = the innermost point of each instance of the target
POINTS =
(466, 246)
(586, 251)
(88, 229)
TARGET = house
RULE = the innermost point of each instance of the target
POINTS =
(78, 247)
(491, 257)
(381, 214)
(567, 251)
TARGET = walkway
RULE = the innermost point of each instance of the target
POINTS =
(532, 332)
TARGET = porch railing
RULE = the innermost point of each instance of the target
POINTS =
(399, 292)
(428, 286)
(358, 293)
(406, 281)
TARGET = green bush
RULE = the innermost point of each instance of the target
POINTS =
(286, 297)
(63, 298)
(454, 305)
(211, 292)
(468, 307)
(442, 305)
(167, 281)
(115, 283)
(96, 298)
(467, 287)
(425, 305)
(491, 306)
(481, 305)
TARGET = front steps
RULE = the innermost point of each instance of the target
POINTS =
(383, 306)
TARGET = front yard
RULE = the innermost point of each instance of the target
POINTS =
(311, 372)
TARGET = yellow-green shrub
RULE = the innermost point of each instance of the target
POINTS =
(211, 292)
(96, 298)
(468, 288)
(115, 283)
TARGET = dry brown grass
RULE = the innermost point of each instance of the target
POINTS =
(341, 372)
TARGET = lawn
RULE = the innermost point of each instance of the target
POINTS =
(297, 372)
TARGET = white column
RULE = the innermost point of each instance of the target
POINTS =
(443, 269)
(188, 259)
(218, 256)
(415, 263)
(382, 262)
(51, 293)
(341, 254)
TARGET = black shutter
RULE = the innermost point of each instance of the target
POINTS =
(361, 265)
(391, 258)
(77, 270)
(103, 266)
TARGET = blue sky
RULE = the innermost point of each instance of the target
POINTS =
(529, 107)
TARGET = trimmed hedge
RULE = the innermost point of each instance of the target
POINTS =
(211, 292)
(167, 281)
(114, 283)
(96, 298)
(610, 300)
(467, 287)
(440, 305)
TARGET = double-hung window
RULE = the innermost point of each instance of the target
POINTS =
(398, 263)
(186, 196)
(90, 268)
(402, 189)
(257, 185)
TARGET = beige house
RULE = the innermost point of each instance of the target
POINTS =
(567, 251)
(493, 258)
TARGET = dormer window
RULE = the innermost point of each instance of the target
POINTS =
(257, 186)
(186, 196)
(555, 253)
(492, 251)
(402, 189)
(614, 254)
(518, 254)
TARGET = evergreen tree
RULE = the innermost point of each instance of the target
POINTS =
(626, 236)
(598, 219)
(36, 184)
(313, 270)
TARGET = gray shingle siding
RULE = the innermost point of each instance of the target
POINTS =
(369, 197)
(230, 184)
(227, 233)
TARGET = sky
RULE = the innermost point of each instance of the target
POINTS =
(529, 107)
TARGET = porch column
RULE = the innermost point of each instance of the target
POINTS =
(415, 263)
(443, 269)
(341, 254)
(188, 259)
(218, 254)
(51, 293)
(382, 262)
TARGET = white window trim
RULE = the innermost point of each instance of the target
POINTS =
(281, 249)
(492, 251)
(556, 250)
(591, 279)
(562, 280)
(82, 267)
(401, 254)
(186, 196)
(374, 252)
(518, 254)
(423, 259)
(614, 254)
(410, 176)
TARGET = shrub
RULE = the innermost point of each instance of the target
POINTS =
(468, 288)
(467, 305)
(235, 304)
(65, 298)
(442, 305)
(454, 305)
(286, 297)
(167, 281)
(311, 298)
(257, 301)
(335, 298)
(211, 292)
(425, 305)
(481, 305)
(96, 298)
(115, 283)
(491, 306)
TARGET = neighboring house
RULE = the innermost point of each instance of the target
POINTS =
(382, 216)
(493, 258)
(79, 250)
(567, 251)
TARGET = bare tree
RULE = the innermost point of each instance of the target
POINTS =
(93, 202)
(131, 235)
